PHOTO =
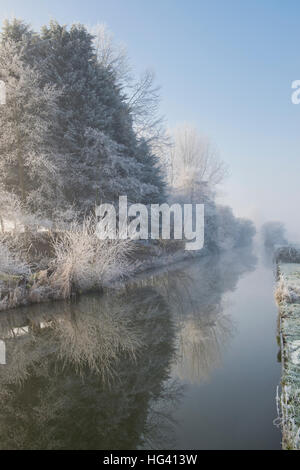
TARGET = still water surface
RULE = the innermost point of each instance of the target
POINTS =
(183, 358)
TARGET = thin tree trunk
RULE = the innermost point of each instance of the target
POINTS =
(21, 176)
(2, 224)
(20, 159)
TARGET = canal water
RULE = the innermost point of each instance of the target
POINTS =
(183, 358)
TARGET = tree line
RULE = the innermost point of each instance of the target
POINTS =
(78, 129)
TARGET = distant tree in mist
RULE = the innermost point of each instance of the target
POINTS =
(246, 232)
(233, 232)
(274, 233)
(192, 162)
(194, 172)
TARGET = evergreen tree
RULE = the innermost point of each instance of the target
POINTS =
(29, 162)
(67, 135)
(103, 156)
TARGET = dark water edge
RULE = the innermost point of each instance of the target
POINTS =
(184, 358)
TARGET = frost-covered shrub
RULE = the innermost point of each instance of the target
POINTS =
(288, 290)
(82, 261)
(282, 293)
(287, 254)
(10, 263)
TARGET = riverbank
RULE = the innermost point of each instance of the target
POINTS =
(288, 299)
(53, 268)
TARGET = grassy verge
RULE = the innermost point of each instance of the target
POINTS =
(288, 299)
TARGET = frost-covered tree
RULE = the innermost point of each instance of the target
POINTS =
(68, 139)
(96, 129)
(120, 174)
(29, 158)
(144, 100)
(194, 172)
(142, 95)
(193, 163)
(111, 55)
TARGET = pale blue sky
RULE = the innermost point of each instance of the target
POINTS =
(224, 65)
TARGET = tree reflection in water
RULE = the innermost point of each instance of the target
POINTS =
(99, 373)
